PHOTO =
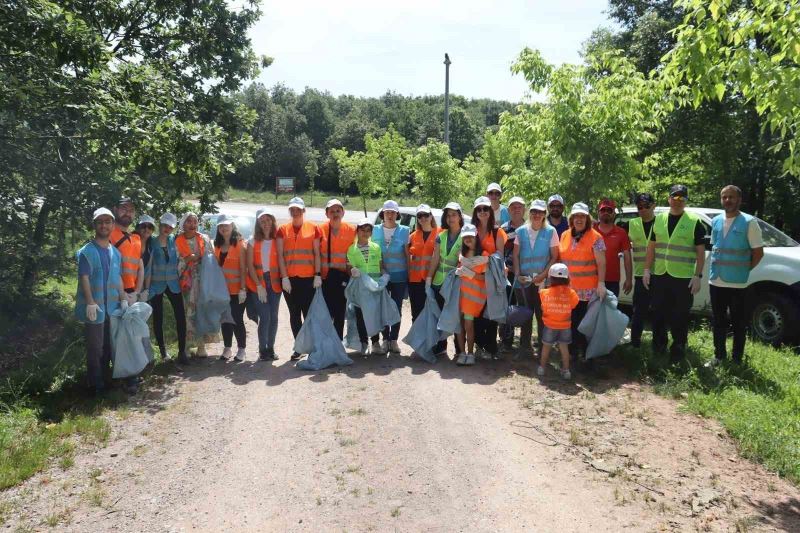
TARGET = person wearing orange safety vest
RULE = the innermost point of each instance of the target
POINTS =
(264, 281)
(336, 237)
(421, 244)
(130, 247)
(583, 250)
(191, 246)
(472, 264)
(231, 253)
(299, 263)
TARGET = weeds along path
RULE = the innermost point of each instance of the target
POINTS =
(393, 443)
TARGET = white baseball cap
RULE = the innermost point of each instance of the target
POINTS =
(555, 198)
(264, 211)
(516, 200)
(579, 208)
(482, 200)
(224, 219)
(559, 270)
(469, 230)
(455, 206)
(100, 212)
(365, 222)
(146, 219)
(297, 202)
(390, 205)
(332, 202)
(494, 187)
(169, 219)
(538, 205)
(423, 208)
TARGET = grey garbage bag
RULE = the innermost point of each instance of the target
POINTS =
(450, 317)
(319, 339)
(604, 325)
(213, 305)
(496, 295)
(130, 341)
(424, 332)
(377, 307)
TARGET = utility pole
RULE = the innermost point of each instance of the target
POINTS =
(447, 100)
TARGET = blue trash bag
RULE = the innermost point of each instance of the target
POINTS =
(318, 338)
(496, 296)
(130, 341)
(450, 317)
(377, 307)
(213, 304)
(604, 325)
(424, 333)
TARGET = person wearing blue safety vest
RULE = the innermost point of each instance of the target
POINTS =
(501, 215)
(393, 240)
(99, 296)
(736, 249)
(536, 248)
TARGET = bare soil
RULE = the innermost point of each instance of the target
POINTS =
(395, 444)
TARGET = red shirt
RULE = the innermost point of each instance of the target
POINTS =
(617, 241)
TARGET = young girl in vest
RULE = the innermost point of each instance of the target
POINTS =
(366, 259)
(264, 281)
(472, 267)
(230, 251)
(420, 252)
(558, 301)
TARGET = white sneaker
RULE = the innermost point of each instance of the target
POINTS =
(378, 349)
(385, 346)
(394, 347)
(469, 360)
(461, 359)
(364, 349)
(566, 374)
(540, 370)
(240, 355)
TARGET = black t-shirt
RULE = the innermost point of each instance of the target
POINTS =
(647, 225)
(672, 221)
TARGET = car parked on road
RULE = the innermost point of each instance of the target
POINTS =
(408, 217)
(773, 286)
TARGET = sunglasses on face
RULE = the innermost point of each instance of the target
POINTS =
(678, 197)
(423, 215)
(493, 193)
(557, 206)
(482, 209)
(606, 210)
(643, 206)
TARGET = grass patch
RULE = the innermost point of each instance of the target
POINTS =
(757, 402)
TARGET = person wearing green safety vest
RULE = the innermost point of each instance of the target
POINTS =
(445, 259)
(675, 257)
(640, 229)
(736, 248)
(366, 258)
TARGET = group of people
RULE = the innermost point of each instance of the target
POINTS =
(554, 264)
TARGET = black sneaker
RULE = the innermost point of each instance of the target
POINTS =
(263, 355)
(296, 356)
(271, 354)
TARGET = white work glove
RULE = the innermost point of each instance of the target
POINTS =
(694, 285)
(464, 272)
(428, 283)
(242, 296)
(524, 280)
(132, 297)
(286, 285)
(91, 311)
(646, 279)
(144, 295)
(262, 294)
(355, 273)
(123, 305)
(317, 282)
(601, 290)
(385, 278)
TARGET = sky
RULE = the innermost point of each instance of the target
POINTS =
(366, 48)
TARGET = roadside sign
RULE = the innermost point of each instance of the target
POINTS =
(284, 184)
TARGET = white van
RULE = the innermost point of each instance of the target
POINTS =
(774, 284)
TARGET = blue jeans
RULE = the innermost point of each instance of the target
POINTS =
(267, 318)
(398, 291)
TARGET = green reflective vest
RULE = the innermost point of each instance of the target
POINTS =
(372, 267)
(447, 262)
(675, 255)
(638, 244)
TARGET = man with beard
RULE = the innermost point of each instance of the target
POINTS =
(555, 206)
(617, 242)
(736, 249)
(336, 238)
(99, 295)
(130, 246)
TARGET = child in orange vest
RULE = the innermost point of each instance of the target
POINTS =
(471, 267)
(558, 301)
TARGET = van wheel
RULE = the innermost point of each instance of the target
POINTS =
(773, 316)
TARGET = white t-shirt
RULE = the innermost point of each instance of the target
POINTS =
(533, 233)
(387, 234)
(754, 239)
(266, 248)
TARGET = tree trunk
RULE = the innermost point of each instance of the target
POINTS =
(31, 271)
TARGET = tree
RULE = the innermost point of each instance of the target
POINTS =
(357, 168)
(389, 155)
(464, 135)
(437, 174)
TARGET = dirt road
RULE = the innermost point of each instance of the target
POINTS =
(395, 444)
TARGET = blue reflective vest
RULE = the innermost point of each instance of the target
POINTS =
(394, 255)
(164, 273)
(731, 254)
(113, 285)
(533, 260)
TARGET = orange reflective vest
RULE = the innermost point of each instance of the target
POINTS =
(580, 261)
(421, 252)
(130, 248)
(188, 247)
(489, 244)
(333, 249)
(274, 271)
(473, 291)
(298, 249)
(231, 267)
